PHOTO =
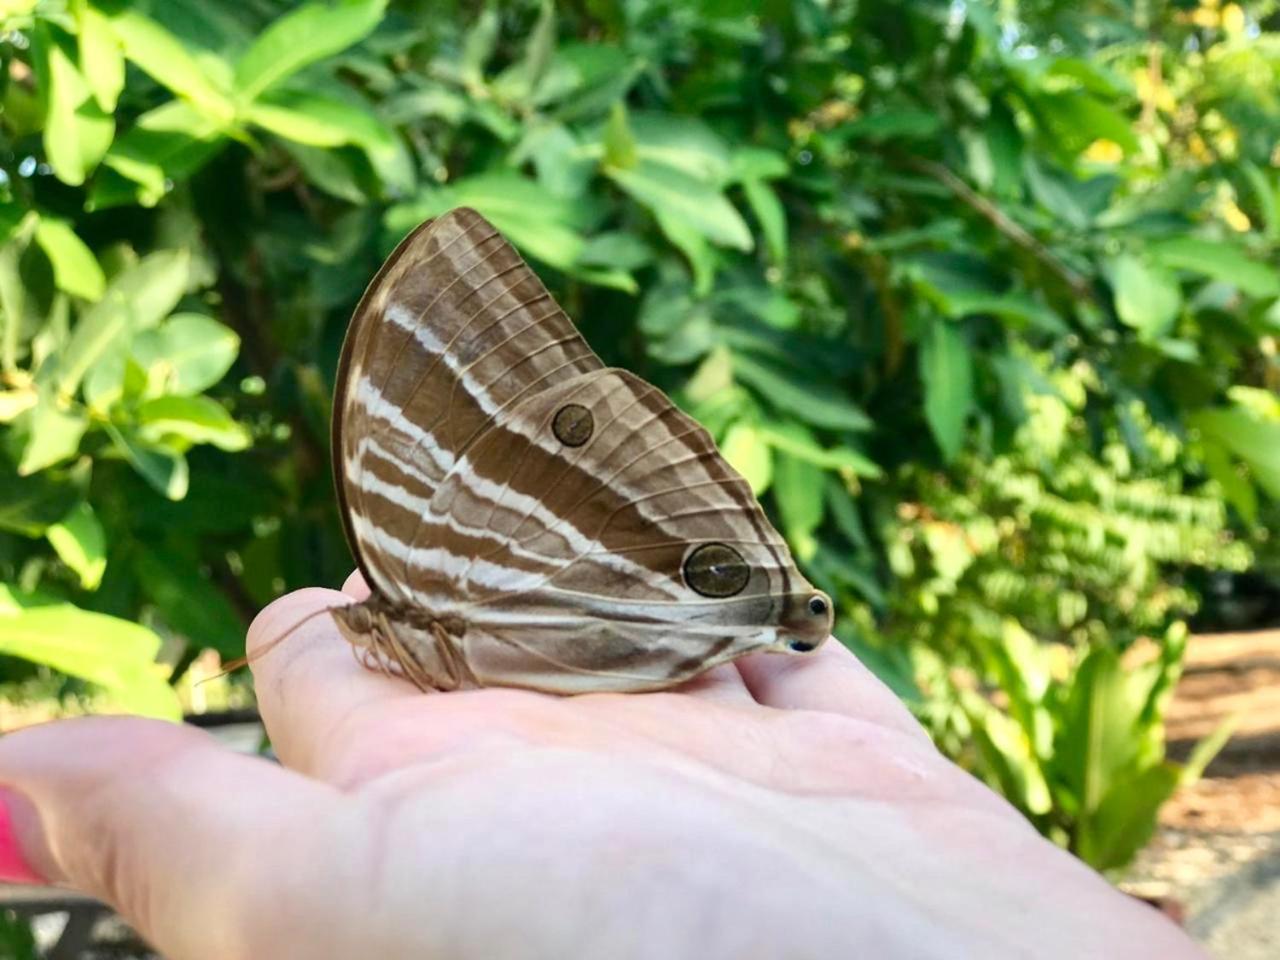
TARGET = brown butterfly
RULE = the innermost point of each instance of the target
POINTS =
(526, 516)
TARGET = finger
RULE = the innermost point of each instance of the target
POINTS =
(722, 683)
(830, 679)
(355, 586)
(310, 683)
(719, 683)
(188, 841)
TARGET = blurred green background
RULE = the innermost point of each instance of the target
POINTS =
(980, 297)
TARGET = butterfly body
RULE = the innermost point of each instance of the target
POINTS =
(526, 516)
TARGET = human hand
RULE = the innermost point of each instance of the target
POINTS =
(777, 807)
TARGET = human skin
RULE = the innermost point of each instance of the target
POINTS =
(778, 807)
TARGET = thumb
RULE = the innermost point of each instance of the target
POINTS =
(187, 840)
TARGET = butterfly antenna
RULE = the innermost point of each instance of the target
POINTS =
(234, 665)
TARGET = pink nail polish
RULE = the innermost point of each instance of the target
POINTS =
(13, 865)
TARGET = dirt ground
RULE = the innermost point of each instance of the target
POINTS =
(1216, 858)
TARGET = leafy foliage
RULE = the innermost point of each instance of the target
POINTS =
(981, 299)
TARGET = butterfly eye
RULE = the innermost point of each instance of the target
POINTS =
(573, 425)
(818, 605)
(358, 617)
(716, 570)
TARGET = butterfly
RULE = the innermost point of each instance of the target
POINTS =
(525, 516)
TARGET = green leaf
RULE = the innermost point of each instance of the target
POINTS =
(1219, 260)
(80, 542)
(1020, 309)
(756, 163)
(1252, 439)
(77, 132)
(137, 298)
(797, 489)
(75, 269)
(15, 402)
(189, 602)
(13, 292)
(321, 121)
(186, 354)
(813, 402)
(101, 58)
(533, 218)
(162, 56)
(1126, 817)
(681, 143)
(747, 453)
(946, 370)
(1267, 196)
(1057, 192)
(194, 419)
(115, 654)
(700, 254)
(892, 124)
(479, 43)
(1008, 756)
(1237, 489)
(671, 191)
(618, 250)
(336, 172)
(1077, 118)
(1147, 296)
(540, 48)
(29, 505)
(166, 471)
(1098, 741)
(619, 143)
(799, 444)
(168, 143)
(47, 434)
(773, 219)
(312, 32)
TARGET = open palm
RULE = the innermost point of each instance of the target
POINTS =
(778, 807)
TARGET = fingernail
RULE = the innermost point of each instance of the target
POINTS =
(17, 816)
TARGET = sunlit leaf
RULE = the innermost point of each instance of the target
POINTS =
(1222, 261)
(1147, 296)
(186, 354)
(163, 56)
(747, 453)
(47, 434)
(669, 190)
(115, 654)
(77, 131)
(136, 299)
(75, 269)
(81, 544)
(101, 57)
(304, 36)
(193, 419)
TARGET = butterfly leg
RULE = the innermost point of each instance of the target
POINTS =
(460, 675)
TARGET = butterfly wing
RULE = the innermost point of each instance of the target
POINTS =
(454, 327)
(591, 580)
(493, 472)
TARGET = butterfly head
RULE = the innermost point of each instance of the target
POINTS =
(762, 590)
(807, 622)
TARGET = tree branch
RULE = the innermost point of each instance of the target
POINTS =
(1012, 231)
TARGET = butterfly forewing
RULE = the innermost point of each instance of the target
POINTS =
(454, 327)
(494, 476)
